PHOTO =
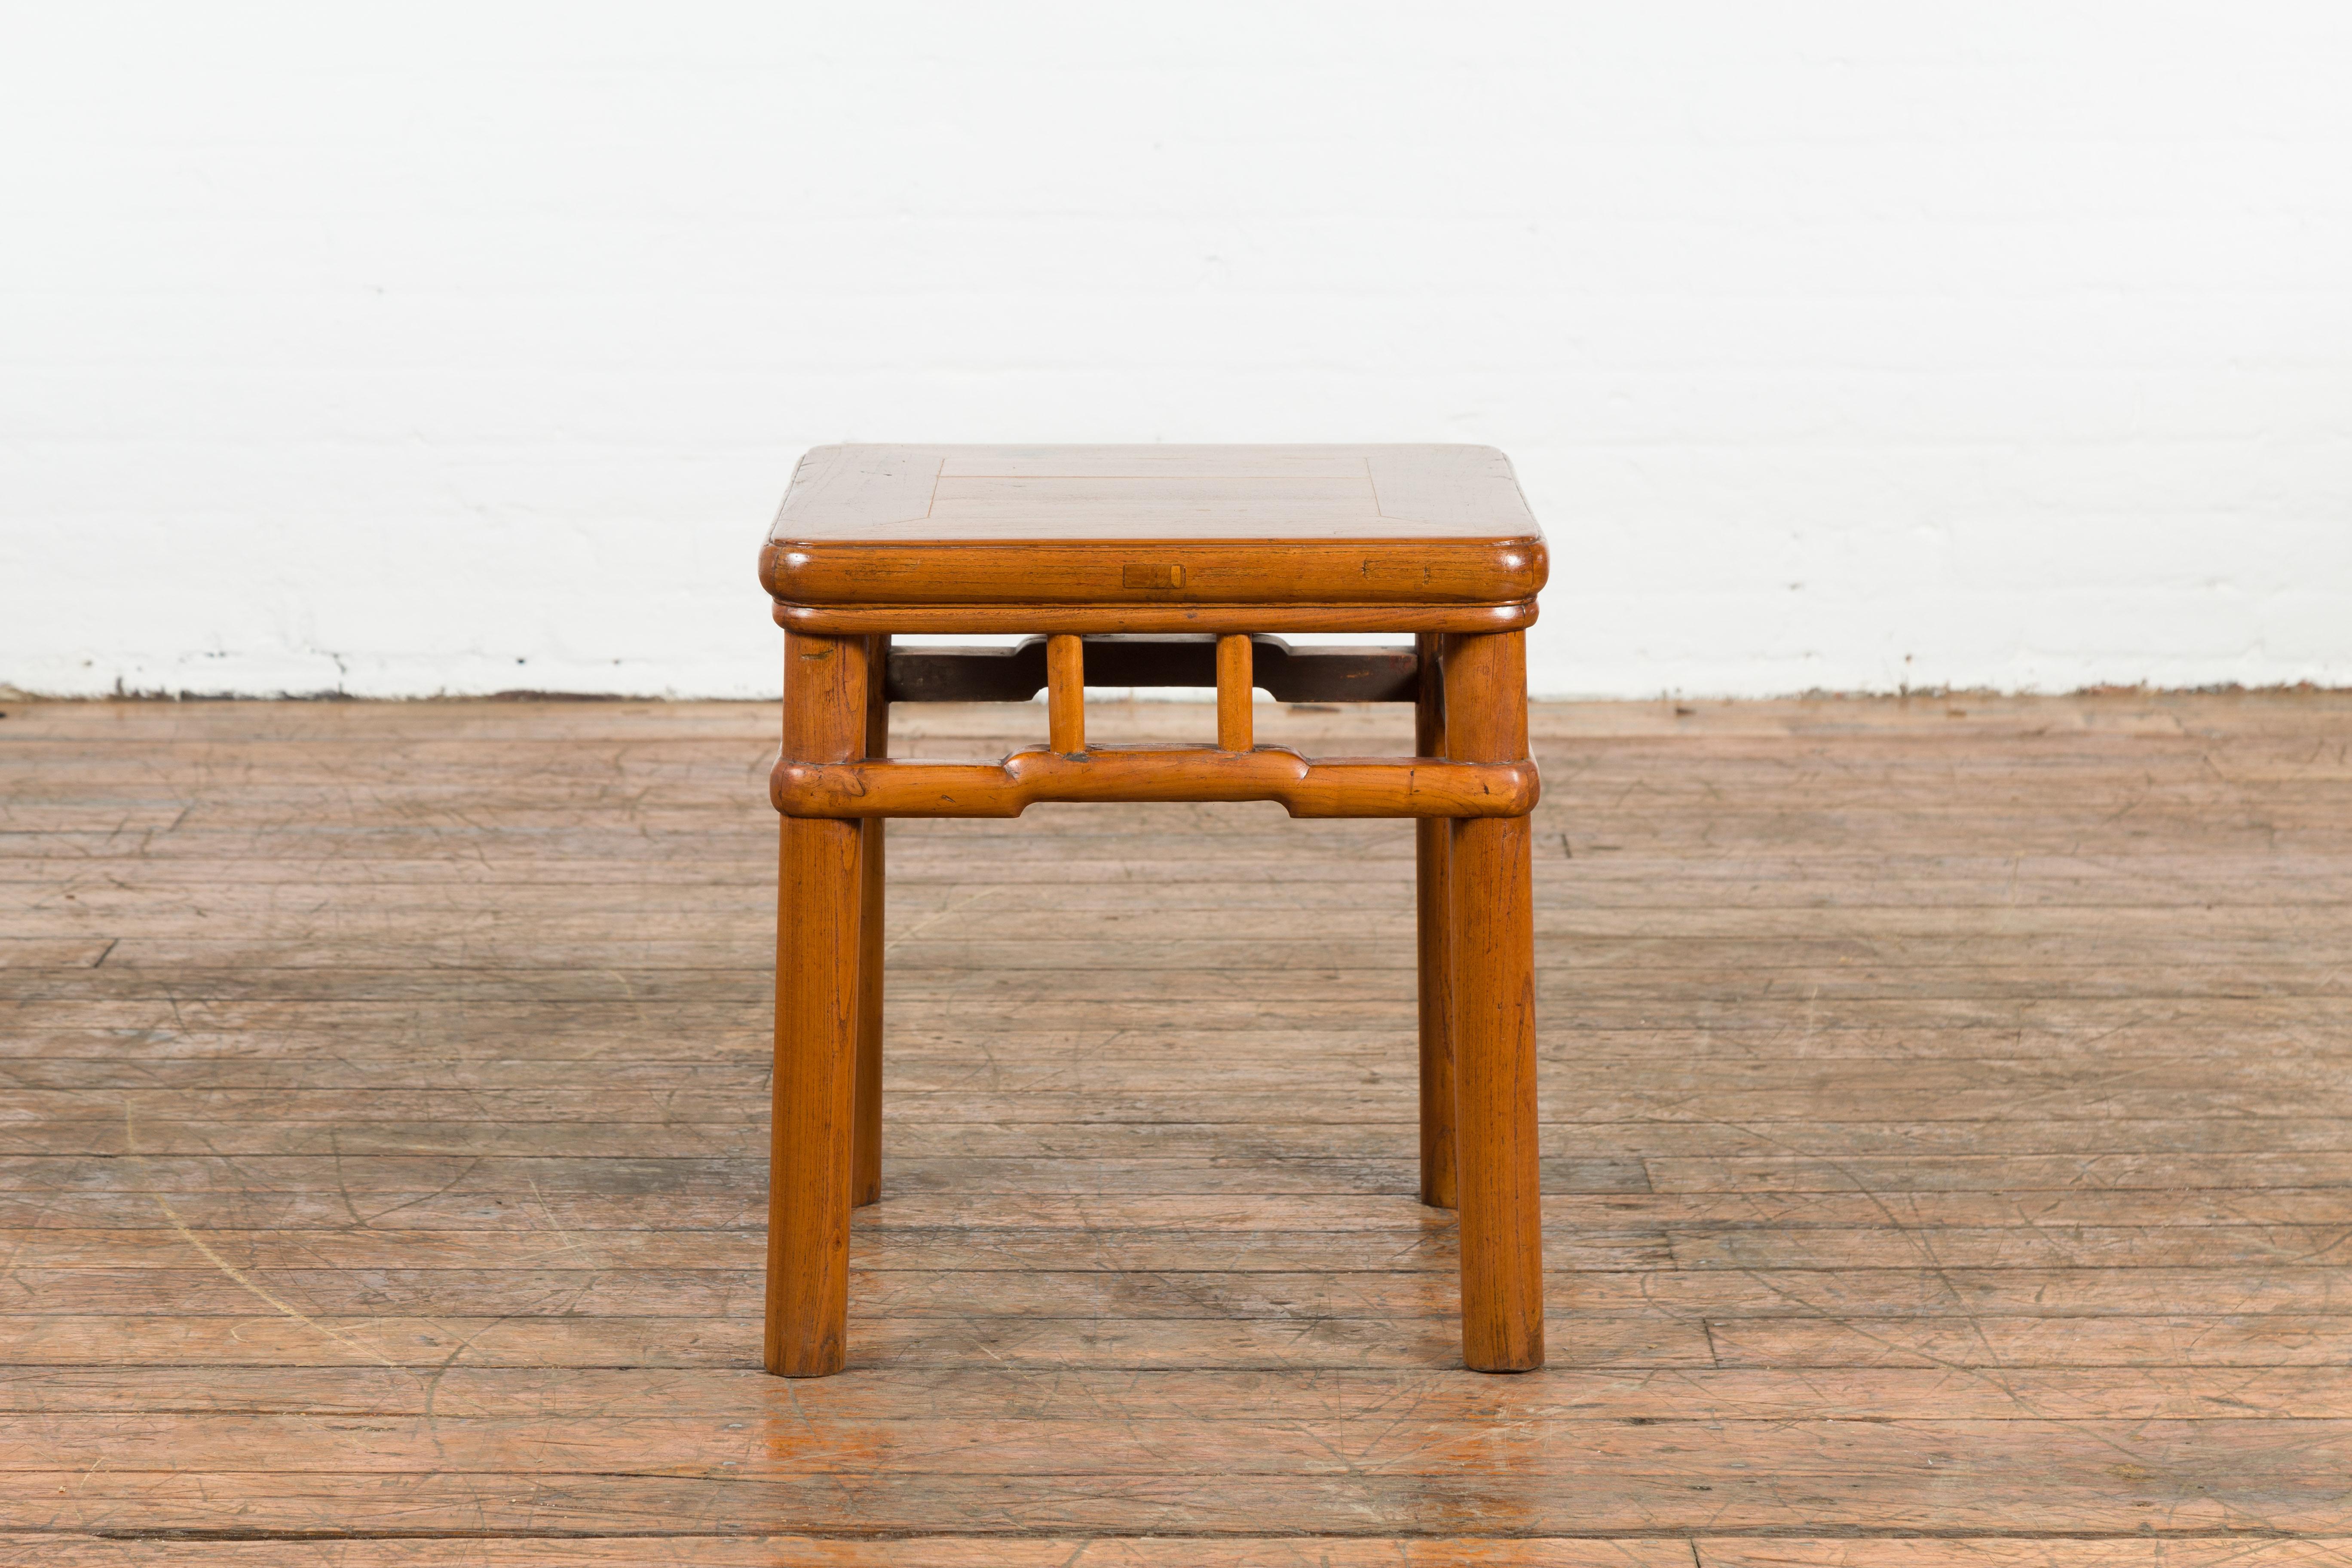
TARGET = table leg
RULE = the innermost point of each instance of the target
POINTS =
(1493, 951)
(865, 1142)
(1432, 918)
(817, 931)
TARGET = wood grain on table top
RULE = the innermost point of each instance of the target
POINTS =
(956, 494)
(1078, 539)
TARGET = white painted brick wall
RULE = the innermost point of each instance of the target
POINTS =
(454, 348)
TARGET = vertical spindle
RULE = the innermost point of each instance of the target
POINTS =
(1233, 689)
(1066, 693)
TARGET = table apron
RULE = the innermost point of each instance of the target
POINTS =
(865, 619)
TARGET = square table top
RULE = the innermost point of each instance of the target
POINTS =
(951, 494)
(1153, 538)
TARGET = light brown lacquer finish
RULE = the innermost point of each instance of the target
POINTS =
(1325, 786)
(866, 1179)
(869, 533)
(854, 620)
(1492, 954)
(817, 953)
(1233, 693)
(1066, 695)
(1433, 920)
(1128, 545)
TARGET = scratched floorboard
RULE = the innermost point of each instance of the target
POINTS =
(1947, 1152)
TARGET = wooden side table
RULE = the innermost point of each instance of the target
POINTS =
(1157, 566)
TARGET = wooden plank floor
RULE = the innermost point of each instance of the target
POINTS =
(1948, 1119)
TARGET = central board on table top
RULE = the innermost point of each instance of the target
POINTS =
(953, 494)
